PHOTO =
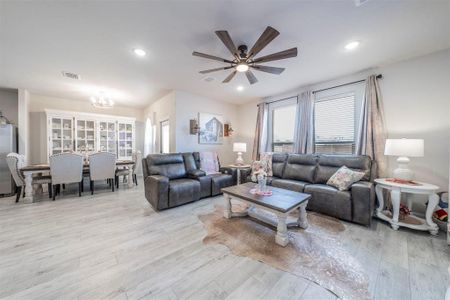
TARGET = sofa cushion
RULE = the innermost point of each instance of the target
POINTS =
(205, 186)
(183, 191)
(169, 165)
(189, 161)
(289, 184)
(329, 164)
(278, 163)
(219, 181)
(330, 201)
(300, 167)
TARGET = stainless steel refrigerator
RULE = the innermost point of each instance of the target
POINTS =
(8, 144)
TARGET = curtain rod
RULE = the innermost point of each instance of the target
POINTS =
(379, 76)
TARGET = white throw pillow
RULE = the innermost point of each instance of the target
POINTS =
(344, 178)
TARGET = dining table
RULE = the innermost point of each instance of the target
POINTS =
(30, 170)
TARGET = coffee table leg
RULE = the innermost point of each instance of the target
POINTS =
(282, 237)
(227, 211)
(302, 220)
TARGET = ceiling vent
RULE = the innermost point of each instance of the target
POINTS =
(71, 75)
(360, 2)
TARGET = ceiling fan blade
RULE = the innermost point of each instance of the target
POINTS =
(266, 37)
(228, 42)
(229, 77)
(277, 56)
(251, 77)
(214, 70)
(195, 53)
(272, 70)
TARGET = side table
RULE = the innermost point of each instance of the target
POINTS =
(239, 168)
(396, 189)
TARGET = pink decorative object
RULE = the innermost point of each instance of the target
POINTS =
(261, 193)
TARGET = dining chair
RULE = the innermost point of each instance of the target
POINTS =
(137, 159)
(102, 166)
(66, 168)
(15, 163)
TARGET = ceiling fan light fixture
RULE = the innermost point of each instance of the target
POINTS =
(242, 67)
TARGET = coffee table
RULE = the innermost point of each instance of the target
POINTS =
(280, 203)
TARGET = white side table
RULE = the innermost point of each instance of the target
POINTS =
(396, 189)
(239, 168)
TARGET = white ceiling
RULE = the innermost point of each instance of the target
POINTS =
(94, 39)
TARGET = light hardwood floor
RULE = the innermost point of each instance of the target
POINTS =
(115, 246)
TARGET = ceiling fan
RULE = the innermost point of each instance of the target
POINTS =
(244, 60)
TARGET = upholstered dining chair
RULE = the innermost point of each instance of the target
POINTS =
(137, 159)
(102, 166)
(15, 163)
(66, 168)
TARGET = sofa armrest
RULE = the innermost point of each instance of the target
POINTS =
(363, 198)
(229, 171)
(157, 191)
(194, 174)
(245, 174)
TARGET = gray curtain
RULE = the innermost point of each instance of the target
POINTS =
(371, 135)
(304, 125)
(260, 141)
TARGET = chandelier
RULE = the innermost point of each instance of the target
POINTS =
(101, 102)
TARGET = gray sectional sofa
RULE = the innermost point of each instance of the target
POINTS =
(309, 173)
(174, 179)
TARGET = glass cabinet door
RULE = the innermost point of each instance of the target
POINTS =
(61, 135)
(85, 136)
(126, 140)
(107, 136)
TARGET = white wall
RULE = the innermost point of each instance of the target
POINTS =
(162, 110)
(188, 106)
(416, 97)
(246, 126)
(24, 125)
(38, 127)
(9, 105)
(179, 108)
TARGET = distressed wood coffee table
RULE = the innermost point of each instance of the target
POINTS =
(280, 203)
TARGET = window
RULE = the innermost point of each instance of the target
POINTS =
(282, 120)
(165, 137)
(336, 117)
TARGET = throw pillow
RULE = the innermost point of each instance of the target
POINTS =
(209, 162)
(344, 178)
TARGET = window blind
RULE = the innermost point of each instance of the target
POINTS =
(334, 121)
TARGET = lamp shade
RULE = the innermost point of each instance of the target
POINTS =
(239, 147)
(404, 147)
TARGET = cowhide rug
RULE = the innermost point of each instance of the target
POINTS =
(315, 253)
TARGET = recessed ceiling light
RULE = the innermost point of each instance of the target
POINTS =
(240, 88)
(139, 52)
(352, 45)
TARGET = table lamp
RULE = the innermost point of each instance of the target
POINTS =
(404, 148)
(239, 148)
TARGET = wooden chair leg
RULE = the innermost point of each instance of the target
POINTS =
(135, 179)
(55, 188)
(63, 186)
(23, 192)
(114, 183)
(50, 190)
(92, 187)
(80, 186)
(117, 182)
(18, 193)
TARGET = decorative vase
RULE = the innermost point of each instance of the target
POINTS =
(262, 183)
